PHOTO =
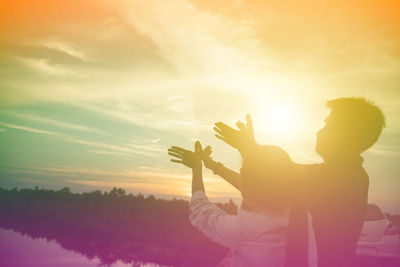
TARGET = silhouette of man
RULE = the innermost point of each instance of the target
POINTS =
(334, 192)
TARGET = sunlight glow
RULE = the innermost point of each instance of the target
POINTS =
(279, 119)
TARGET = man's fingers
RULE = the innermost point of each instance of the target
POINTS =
(224, 126)
(178, 148)
(176, 151)
(241, 126)
(249, 123)
(175, 155)
(206, 152)
(177, 161)
(220, 132)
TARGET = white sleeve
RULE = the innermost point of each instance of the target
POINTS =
(213, 221)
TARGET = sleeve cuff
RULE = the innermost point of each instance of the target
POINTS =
(199, 194)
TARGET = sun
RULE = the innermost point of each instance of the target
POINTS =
(278, 119)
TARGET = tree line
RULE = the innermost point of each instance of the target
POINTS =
(112, 225)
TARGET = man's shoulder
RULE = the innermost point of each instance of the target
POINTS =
(308, 170)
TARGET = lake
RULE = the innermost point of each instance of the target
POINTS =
(18, 249)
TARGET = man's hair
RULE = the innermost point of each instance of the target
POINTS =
(362, 117)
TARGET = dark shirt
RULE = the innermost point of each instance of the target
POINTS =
(335, 194)
(336, 197)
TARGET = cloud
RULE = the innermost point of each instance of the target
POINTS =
(148, 147)
(384, 150)
(133, 180)
(27, 129)
(106, 152)
(139, 180)
(45, 66)
(173, 67)
(57, 123)
(193, 40)
(67, 48)
(124, 149)
(112, 149)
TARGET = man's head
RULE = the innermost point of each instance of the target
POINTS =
(352, 127)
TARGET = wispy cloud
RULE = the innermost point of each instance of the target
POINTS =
(45, 66)
(173, 67)
(58, 123)
(123, 175)
(219, 44)
(148, 147)
(112, 149)
(27, 129)
(384, 150)
(65, 47)
(107, 152)
(141, 180)
(124, 149)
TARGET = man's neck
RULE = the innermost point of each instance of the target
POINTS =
(345, 160)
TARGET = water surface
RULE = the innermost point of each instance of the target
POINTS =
(18, 249)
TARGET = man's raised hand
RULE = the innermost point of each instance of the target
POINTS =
(240, 139)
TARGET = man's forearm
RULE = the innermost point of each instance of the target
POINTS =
(197, 180)
(232, 177)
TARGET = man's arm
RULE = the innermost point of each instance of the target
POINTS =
(243, 140)
(232, 177)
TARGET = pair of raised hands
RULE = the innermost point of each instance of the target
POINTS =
(241, 139)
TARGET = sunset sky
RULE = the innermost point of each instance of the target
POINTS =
(93, 92)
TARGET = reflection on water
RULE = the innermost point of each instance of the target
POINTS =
(108, 229)
(17, 249)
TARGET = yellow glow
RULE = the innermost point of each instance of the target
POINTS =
(277, 119)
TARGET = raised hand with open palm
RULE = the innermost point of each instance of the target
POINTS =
(240, 139)
(186, 157)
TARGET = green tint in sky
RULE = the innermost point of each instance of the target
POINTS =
(94, 92)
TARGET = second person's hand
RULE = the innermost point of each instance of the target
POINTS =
(205, 155)
(186, 157)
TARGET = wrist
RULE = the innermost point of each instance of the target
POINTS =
(210, 164)
(217, 167)
(197, 168)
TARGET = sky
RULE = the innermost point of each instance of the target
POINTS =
(92, 93)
